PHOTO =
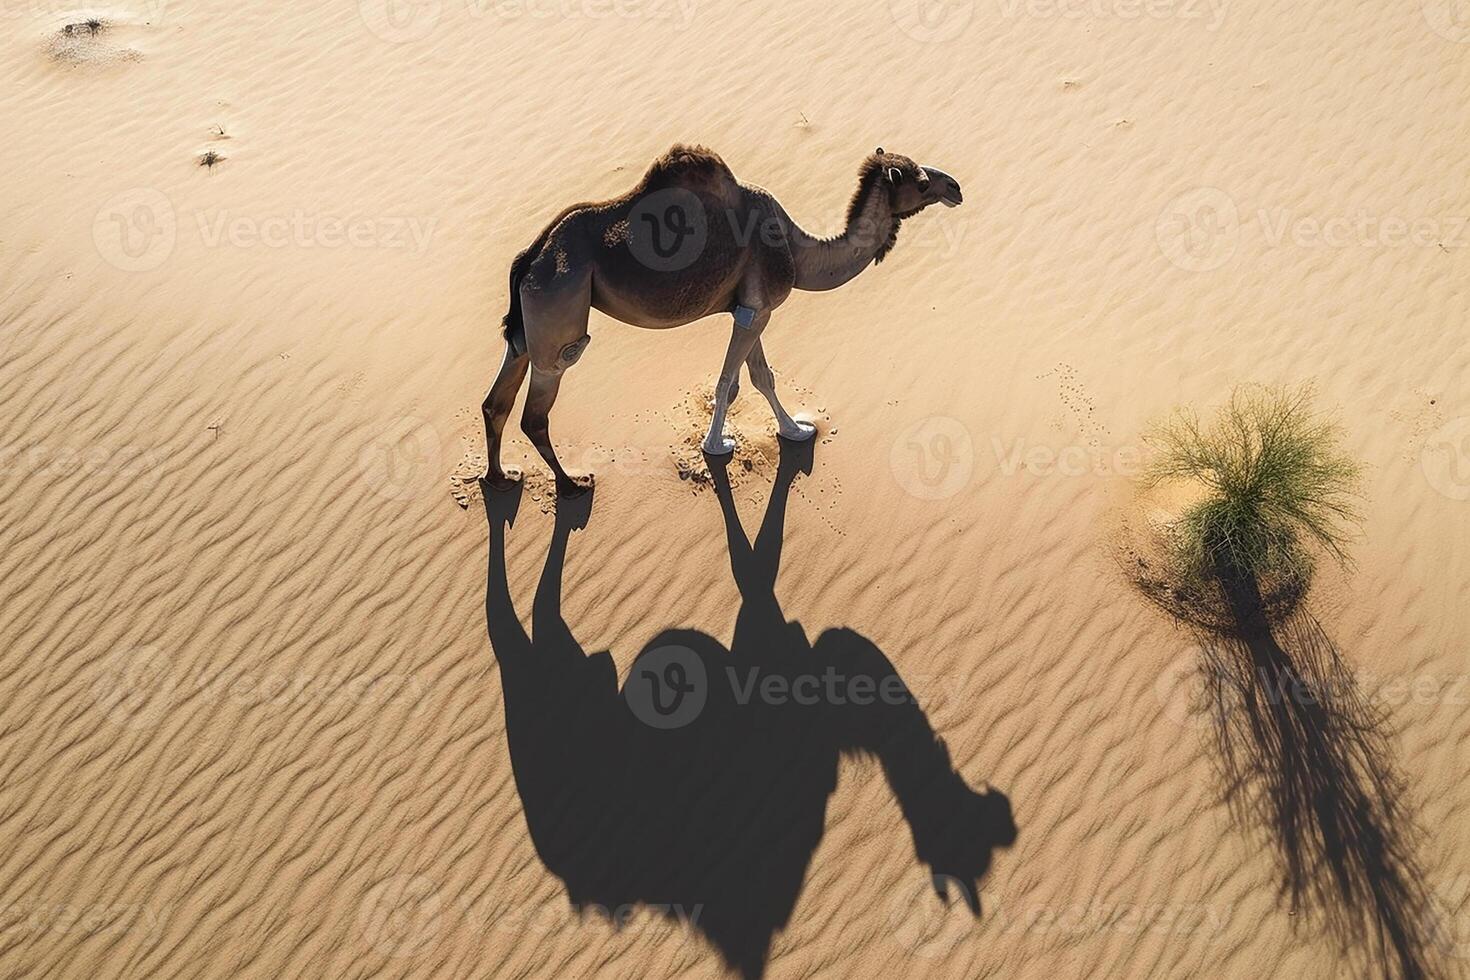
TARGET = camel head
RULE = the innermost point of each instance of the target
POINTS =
(912, 187)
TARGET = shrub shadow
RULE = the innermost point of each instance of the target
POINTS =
(1304, 754)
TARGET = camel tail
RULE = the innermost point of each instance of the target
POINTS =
(514, 325)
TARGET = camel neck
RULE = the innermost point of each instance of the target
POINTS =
(826, 263)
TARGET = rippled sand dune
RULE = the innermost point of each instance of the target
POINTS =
(252, 266)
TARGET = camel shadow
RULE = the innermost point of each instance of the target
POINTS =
(700, 789)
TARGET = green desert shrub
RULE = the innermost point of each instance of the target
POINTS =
(1274, 487)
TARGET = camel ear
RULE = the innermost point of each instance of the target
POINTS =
(880, 151)
(895, 176)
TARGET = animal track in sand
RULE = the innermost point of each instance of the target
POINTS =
(1078, 403)
(1422, 414)
(753, 466)
(751, 469)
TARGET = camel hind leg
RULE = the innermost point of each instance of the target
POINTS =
(496, 409)
(556, 336)
(536, 424)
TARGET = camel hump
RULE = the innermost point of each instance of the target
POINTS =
(690, 166)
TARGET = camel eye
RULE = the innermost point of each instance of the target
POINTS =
(895, 176)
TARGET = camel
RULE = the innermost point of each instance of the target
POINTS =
(689, 241)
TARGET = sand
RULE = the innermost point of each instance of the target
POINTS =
(253, 724)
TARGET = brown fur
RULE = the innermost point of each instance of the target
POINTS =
(872, 177)
(684, 165)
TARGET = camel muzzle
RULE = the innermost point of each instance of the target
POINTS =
(945, 187)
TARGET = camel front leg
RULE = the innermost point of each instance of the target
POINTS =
(764, 380)
(741, 341)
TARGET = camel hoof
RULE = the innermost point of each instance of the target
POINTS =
(723, 447)
(800, 433)
(574, 487)
(502, 481)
